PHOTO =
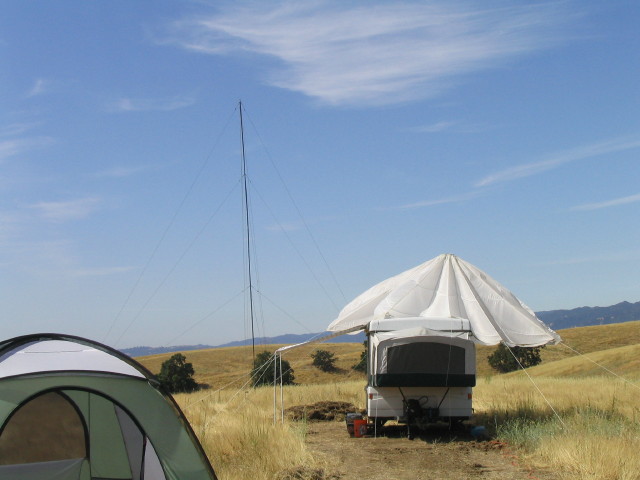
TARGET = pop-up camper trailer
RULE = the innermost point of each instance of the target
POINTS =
(420, 370)
(422, 326)
(72, 409)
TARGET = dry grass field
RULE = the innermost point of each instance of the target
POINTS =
(572, 419)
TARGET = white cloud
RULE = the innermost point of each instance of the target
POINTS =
(363, 53)
(150, 104)
(120, 172)
(435, 127)
(441, 201)
(39, 87)
(609, 203)
(16, 129)
(100, 272)
(558, 159)
(66, 211)
(16, 146)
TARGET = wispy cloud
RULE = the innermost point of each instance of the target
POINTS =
(451, 126)
(120, 172)
(66, 211)
(15, 146)
(100, 272)
(39, 87)
(341, 53)
(440, 201)
(609, 203)
(435, 127)
(558, 159)
(150, 104)
(15, 129)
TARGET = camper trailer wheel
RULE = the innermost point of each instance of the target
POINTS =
(379, 422)
(455, 424)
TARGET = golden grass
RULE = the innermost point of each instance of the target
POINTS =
(623, 361)
(238, 432)
(595, 434)
(598, 436)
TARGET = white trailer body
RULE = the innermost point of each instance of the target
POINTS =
(420, 370)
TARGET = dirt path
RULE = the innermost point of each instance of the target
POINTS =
(437, 454)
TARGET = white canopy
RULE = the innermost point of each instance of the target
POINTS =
(449, 287)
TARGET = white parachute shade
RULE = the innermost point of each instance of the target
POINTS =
(449, 287)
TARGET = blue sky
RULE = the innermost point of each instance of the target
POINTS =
(378, 135)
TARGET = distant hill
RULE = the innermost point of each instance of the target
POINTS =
(587, 316)
(556, 319)
(144, 351)
(287, 339)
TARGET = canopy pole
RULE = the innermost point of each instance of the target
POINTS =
(275, 391)
(281, 390)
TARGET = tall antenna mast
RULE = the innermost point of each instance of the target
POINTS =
(245, 199)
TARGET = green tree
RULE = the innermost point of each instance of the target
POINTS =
(324, 360)
(262, 373)
(176, 375)
(503, 360)
(361, 366)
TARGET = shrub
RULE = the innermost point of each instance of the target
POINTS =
(176, 375)
(324, 360)
(263, 374)
(503, 360)
(361, 366)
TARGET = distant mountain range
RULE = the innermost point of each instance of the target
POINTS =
(556, 319)
(586, 316)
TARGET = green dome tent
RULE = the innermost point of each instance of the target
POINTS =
(73, 409)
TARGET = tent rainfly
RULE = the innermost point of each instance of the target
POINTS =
(73, 409)
(448, 287)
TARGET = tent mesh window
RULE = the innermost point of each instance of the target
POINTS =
(44, 429)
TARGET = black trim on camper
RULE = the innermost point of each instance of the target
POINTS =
(423, 380)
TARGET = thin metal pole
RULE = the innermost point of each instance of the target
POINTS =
(246, 216)
(281, 390)
(275, 388)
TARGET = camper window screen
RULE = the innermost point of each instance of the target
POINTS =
(424, 364)
(425, 358)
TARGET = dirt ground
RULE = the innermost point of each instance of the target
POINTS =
(435, 454)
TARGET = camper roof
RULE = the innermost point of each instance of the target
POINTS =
(441, 324)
